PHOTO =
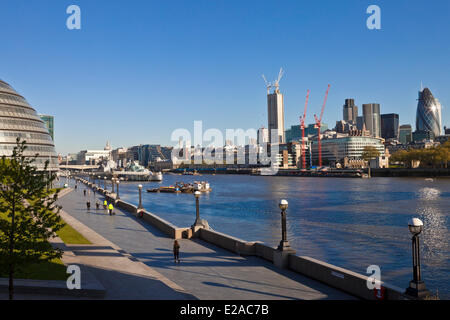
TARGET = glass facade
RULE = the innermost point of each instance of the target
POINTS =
(428, 117)
(405, 134)
(19, 120)
(390, 126)
(49, 123)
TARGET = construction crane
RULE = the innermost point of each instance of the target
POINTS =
(276, 83)
(319, 124)
(302, 126)
(268, 84)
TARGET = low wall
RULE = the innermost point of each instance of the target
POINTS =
(126, 206)
(163, 225)
(340, 278)
(227, 242)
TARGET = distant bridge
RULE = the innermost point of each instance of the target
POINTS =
(78, 167)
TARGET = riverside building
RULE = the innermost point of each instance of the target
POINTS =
(19, 120)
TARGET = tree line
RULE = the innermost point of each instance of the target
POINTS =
(435, 157)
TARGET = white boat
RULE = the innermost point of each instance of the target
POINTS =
(156, 176)
(202, 186)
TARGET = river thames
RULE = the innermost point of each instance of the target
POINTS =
(348, 222)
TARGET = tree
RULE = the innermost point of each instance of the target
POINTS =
(369, 153)
(28, 215)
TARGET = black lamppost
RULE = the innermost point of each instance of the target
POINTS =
(197, 222)
(140, 196)
(284, 243)
(112, 185)
(117, 181)
(104, 185)
(416, 286)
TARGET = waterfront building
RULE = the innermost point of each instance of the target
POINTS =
(428, 116)
(372, 119)
(275, 111)
(49, 123)
(390, 126)
(19, 120)
(405, 134)
(336, 148)
(350, 111)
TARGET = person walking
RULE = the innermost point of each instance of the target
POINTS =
(176, 251)
(105, 204)
(84, 191)
(88, 204)
(110, 208)
(97, 205)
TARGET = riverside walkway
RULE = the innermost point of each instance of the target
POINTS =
(205, 272)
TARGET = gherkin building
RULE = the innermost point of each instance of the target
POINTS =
(428, 116)
(19, 119)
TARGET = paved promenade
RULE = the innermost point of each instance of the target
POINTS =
(205, 271)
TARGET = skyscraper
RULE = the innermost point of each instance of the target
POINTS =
(275, 111)
(372, 119)
(350, 111)
(390, 126)
(428, 117)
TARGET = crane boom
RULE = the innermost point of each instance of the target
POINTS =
(324, 103)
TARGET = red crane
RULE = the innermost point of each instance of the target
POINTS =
(319, 124)
(302, 126)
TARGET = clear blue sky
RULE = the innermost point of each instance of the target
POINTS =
(137, 70)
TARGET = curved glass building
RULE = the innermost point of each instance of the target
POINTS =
(19, 119)
(428, 116)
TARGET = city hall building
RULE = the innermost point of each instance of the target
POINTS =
(19, 120)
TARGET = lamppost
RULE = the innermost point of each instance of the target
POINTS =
(112, 185)
(197, 222)
(284, 243)
(104, 186)
(416, 286)
(117, 181)
(140, 196)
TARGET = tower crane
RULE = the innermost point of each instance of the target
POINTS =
(319, 124)
(302, 126)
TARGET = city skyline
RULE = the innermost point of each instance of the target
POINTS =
(138, 92)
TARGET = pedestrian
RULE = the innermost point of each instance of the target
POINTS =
(111, 208)
(105, 204)
(84, 191)
(97, 205)
(88, 204)
(76, 187)
(176, 251)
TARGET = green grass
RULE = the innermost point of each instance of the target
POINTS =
(70, 236)
(50, 270)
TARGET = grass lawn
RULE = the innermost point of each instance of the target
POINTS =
(70, 236)
(51, 270)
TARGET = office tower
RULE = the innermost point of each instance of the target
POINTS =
(350, 111)
(275, 111)
(428, 117)
(389, 126)
(372, 119)
(360, 122)
(49, 123)
(19, 120)
(405, 133)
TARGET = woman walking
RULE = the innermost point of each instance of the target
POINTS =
(176, 251)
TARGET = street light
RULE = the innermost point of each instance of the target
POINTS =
(117, 181)
(416, 287)
(197, 207)
(112, 185)
(104, 185)
(140, 196)
(284, 243)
